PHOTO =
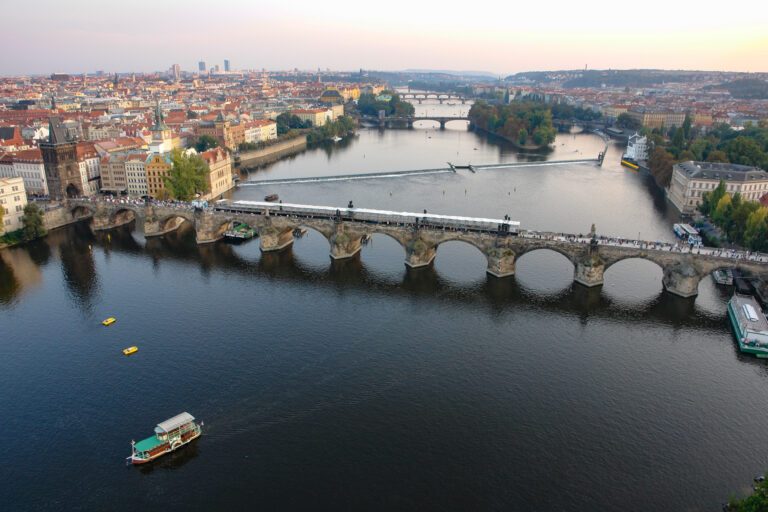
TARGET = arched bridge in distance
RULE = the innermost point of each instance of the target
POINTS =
(591, 256)
(409, 120)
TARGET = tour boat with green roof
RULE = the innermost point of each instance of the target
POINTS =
(749, 325)
(170, 435)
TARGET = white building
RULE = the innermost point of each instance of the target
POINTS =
(690, 180)
(637, 148)
(136, 174)
(259, 131)
(27, 165)
(13, 198)
(89, 162)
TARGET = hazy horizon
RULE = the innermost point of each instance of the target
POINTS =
(500, 39)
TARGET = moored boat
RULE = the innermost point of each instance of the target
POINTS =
(271, 197)
(627, 161)
(724, 277)
(170, 435)
(749, 324)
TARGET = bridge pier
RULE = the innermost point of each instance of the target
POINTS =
(589, 268)
(442, 124)
(419, 253)
(344, 245)
(501, 262)
(681, 279)
(272, 239)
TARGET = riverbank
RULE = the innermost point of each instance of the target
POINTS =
(517, 145)
(272, 153)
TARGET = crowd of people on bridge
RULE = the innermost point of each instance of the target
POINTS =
(679, 247)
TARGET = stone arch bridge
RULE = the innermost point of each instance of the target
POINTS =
(682, 272)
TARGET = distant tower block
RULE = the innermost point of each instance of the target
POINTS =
(226, 65)
(201, 66)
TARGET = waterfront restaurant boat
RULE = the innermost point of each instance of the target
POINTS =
(170, 435)
(749, 325)
(271, 197)
(240, 232)
(724, 277)
(108, 321)
(688, 233)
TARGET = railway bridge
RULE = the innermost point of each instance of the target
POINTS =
(591, 256)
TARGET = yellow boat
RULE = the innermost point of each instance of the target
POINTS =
(108, 321)
(130, 350)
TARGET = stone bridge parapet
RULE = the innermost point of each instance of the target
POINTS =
(682, 271)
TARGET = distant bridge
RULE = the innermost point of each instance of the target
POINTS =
(683, 268)
(409, 120)
(441, 97)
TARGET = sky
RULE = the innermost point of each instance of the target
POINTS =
(76, 36)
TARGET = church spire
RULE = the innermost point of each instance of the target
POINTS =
(159, 124)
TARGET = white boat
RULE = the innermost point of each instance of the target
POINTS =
(749, 325)
(335, 139)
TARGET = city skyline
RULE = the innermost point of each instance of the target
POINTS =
(499, 39)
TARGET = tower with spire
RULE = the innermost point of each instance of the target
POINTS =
(161, 135)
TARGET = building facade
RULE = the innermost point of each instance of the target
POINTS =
(219, 172)
(136, 174)
(27, 165)
(690, 180)
(13, 198)
(317, 116)
(637, 148)
(157, 166)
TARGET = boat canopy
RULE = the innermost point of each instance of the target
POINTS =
(176, 422)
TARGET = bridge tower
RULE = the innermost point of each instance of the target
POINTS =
(62, 171)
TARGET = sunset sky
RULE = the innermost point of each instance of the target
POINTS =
(499, 37)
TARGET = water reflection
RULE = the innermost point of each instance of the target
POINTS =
(538, 283)
(173, 460)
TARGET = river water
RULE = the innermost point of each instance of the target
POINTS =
(362, 385)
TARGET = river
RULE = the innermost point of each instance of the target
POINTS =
(362, 385)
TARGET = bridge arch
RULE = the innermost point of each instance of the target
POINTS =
(555, 249)
(632, 283)
(122, 215)
(81, 212)
(390, 235)
(166, 222)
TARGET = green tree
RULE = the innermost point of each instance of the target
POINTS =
(687, 126)
(745, 151)
(756, 231)
(627, 121)
(660, 166)
(686, 155)
(757, 502)
(191, 114)
(206, 142)
(700, 148)
(522, 136)
(187, 177)
(32, 222)
(678, 141)
(718, 156)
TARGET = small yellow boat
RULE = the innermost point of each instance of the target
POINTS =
(108, 321)
(130, 350)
